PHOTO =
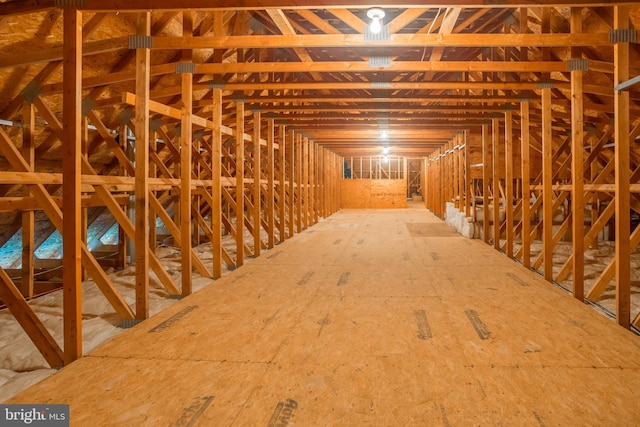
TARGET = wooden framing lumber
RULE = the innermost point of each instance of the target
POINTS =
(31, 324)
(486, 141)
(577, 166)
(271, 190)
(526, 192)
(239, 199)
(141, 122)
(216, 185)
(495, 182)
(257, 186)
(547, 182)
(71, 203)
(622, 172)
(28, 217)
(508, 185)
(282, 187)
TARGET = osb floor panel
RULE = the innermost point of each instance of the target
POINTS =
(376, 317)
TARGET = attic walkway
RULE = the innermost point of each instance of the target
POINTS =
(374, 317)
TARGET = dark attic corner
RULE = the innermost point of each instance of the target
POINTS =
(319, 212)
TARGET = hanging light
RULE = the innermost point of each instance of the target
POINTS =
(385, 159)
(376, 16)
(385, 150)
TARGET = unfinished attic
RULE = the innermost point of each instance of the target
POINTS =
(321, 212)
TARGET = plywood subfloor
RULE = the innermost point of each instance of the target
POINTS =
(371, 317)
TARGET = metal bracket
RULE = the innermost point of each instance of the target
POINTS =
(185, 68)
(525, 97)
(31, 92)
(380, 61)
(140, 42)
(129, 323)
(68, 3)
(383, 36)
(545, 84)
(156, 124)
(88, 105)
(623, 35)
(126, 116)
(577, 64)
(217, 84)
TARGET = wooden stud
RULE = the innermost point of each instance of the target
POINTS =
(71, 186)
(257, 186)
(292, 178)
(239, 152)
(185, 182)
(526, 191)
(485, 181)
(312, 183)
(28, 216)
(31, 324)
(298, 187)
(495, 139)
(141, 123)
(306, 205)
(282, 185)
(153, 173)
(84, 212)
(216, 184)
(547, 183)
(621, 55)
(270, 208)
(508, 181)
(577, 160)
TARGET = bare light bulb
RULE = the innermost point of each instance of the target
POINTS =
(376, 16)
(375, 26)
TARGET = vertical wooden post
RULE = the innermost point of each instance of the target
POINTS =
(467, 176)
(153, 173)
(526, 181)
(239, 183)
(282, 189)
(577, 160)
(71, 185)
(455, 172)
(123, 239)
(186, 145)
(257, 165)
(313, 217)
(292, 184)
(216, 184)
(485, 181)
(508, 181)
(298, 188)
(547, 185)
(305, 183)
(622, 173)
(271, 222)
(28, 217)
(84, 212)
(141, 123)
(495, 127)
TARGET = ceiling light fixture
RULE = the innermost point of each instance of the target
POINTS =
(385, 150)
(376, 16)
